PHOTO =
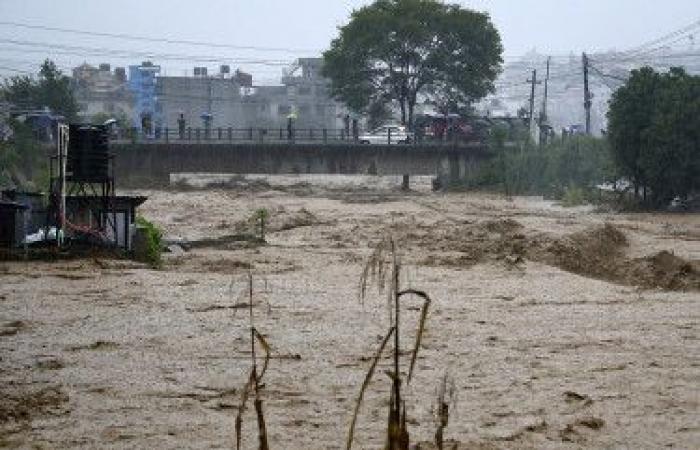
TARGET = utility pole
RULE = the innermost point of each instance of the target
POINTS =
(586, 94)
(534, 82)
(543, 114)
(546, 92)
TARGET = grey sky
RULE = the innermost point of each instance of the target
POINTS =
(305, 27)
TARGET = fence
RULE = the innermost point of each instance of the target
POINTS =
(228, 135)
(263, 136)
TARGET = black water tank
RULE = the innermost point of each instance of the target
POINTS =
(88, 154)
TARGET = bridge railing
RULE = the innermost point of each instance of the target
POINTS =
(227, 135)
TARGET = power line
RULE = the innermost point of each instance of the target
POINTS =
(605, 75)
(152, 39)
(604, 78)
(648, 58)
(644, 48)
(81, 50)
(666, 37)
(663, 47)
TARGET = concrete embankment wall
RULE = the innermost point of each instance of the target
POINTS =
(153, 163)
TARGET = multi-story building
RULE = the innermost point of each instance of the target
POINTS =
(303, 95)
(201, 100)
(99, 90)
(142, 85)
(227, 100)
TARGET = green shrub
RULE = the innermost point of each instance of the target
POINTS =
(260, 218)
(154, 242)
(574, 196)
(578, 162)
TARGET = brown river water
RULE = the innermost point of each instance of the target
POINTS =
(559, 328)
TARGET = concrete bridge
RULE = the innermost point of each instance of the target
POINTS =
(137, 164)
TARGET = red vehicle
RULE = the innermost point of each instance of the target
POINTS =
(450, 128)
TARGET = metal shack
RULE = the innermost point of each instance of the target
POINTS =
(35, 212)
(86, 217)
(12, 224)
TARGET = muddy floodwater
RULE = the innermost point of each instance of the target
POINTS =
(559, 328)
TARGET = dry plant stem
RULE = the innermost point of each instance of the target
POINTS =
(241, 408)
(374, 271)
(397, 347)
(252, 327)
(443, 413)
(396, 434)
(254, 380)
(266, 347)
(421, 325)
(365, 384)
(239, 423)
(262, 430)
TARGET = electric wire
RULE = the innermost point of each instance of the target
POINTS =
(152, 39)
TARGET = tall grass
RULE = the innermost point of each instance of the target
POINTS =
(385, 260)
(577, 162)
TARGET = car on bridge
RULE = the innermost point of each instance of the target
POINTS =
(387, 135)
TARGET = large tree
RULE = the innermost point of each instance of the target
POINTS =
(404, 51)
(50, 89)
(654, 132)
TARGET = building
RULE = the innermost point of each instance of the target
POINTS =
(308, 95)
(304, 95)
(142, 85)
(202, 101)
(99, 90)
(226, 100)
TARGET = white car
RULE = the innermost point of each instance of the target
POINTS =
(387, 135)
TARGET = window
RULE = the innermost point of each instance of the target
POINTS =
(284, 110)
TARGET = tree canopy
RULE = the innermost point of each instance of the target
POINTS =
(404, 51)
(50, 89)
(654, 132)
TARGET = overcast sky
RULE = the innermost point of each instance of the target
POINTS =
(304, 28)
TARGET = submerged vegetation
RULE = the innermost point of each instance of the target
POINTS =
(254, 381)
(568, 168)
(153, 245)
(386, 261)
(260, 217)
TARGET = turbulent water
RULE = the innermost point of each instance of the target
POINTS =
(105, 353)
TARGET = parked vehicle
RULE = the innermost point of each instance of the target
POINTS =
(387, 135)
(451, 128)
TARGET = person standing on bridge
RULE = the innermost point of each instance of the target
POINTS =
(346, 128)
(181, 125)
(290, 126)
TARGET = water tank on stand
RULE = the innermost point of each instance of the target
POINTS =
(88, 154)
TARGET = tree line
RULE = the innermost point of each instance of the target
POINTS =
(397, 53)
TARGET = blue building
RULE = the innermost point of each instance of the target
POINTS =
(142, 83)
